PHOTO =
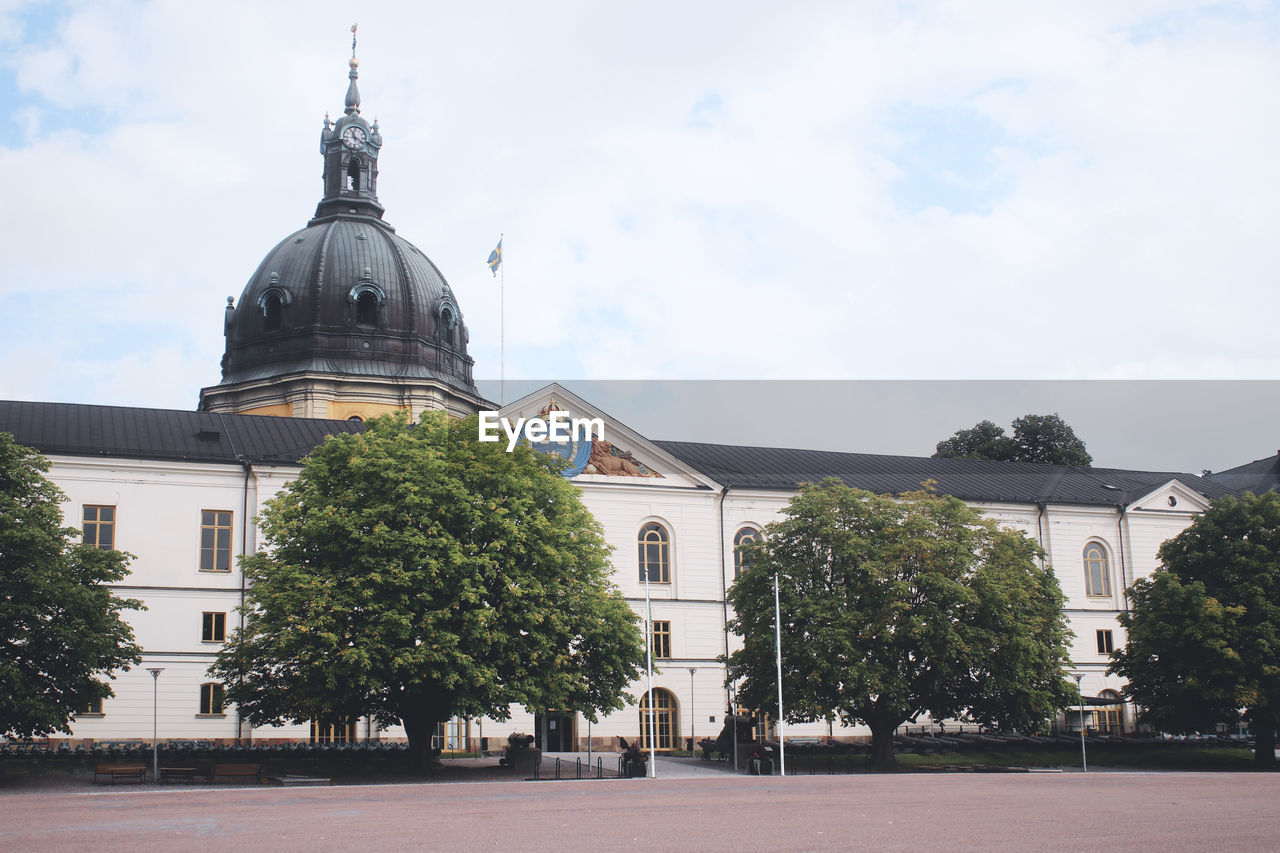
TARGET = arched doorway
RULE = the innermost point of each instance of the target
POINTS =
(1109, 719)
(664, 719)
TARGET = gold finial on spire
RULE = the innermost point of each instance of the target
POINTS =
(354, 63)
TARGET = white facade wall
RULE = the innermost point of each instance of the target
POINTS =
(159, 507)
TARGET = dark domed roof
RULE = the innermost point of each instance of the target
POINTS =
(347, 296)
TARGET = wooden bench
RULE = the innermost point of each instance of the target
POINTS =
(184, 774)
(236, 771)
(134, 772)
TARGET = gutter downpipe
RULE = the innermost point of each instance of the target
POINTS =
(244, 550)
(1124, 577)
(247, 465)
(724, 603)
(1042, 508)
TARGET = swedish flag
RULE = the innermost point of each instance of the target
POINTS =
(495, 257)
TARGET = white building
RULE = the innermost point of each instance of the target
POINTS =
(179, 490)
(345, 319)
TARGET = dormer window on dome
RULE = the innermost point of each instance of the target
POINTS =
(447, 322)
(272, 302)
(366, 297)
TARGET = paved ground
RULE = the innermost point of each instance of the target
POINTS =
(720, 812)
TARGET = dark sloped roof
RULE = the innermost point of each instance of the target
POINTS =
(1259, 476)
(777, 468)
(119, 431)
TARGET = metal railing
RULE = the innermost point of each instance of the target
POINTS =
(561, 769)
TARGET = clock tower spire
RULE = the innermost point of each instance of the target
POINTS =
(350, 149)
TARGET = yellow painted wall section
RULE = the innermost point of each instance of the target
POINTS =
(278, 410)
(340, 410)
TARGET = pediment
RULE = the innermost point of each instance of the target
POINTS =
(613, 453)
(1173, 496)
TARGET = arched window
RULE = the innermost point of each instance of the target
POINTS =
(271, 312)
(655, 553)
(353, 174)
(1109, 719)
(1097, 570)
(447, 322)
(356, 419)
(367, 309)
(664, 719)
(743, 537)
(211, 699)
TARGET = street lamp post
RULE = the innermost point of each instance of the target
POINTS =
(1084, 759)
(155, 693)
(693, 718)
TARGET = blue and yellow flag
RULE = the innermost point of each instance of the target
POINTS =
(495, 257)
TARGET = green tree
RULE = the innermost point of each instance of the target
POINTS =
(61, 633)
(1046, 439)
(1204, 630)
(897, 606)
(415, 574)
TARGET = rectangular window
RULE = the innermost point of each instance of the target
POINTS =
(1105, 646)
(661, 639)
(214, 628)
(211, 699)
(215, 540)
(450, 736)
(100, 526)
(93, 709)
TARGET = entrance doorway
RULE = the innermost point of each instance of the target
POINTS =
(555, 731)
(664, 719)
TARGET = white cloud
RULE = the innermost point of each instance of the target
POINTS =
(1125, 231)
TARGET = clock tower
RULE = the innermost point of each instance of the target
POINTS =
(350, 149)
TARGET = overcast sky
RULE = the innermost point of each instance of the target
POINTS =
(968, 190)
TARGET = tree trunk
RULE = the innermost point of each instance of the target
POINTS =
(1264, 740)
(419, 729)
(882, 757)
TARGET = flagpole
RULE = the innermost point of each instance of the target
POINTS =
(502, 329)
(777, 627)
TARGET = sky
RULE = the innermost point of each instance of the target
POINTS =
(686, 191)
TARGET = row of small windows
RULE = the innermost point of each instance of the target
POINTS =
(99, 526)
(366, 314)
(211, 703)
(653, 545)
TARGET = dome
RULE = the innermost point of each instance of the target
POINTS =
(347, 296)
(345, 318)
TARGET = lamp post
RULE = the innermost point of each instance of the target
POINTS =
(693, 717)
(1084, 759)
(155, 693)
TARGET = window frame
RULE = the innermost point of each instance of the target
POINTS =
(1103, 565)
(666, 716)
(660, 637)
(332, 732)
(92, 709)
(645, 567)
(214, 551)
(746, 533)
(213, 626)
(99, 525)
(212, 696)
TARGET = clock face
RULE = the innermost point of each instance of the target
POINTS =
(353, 137)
